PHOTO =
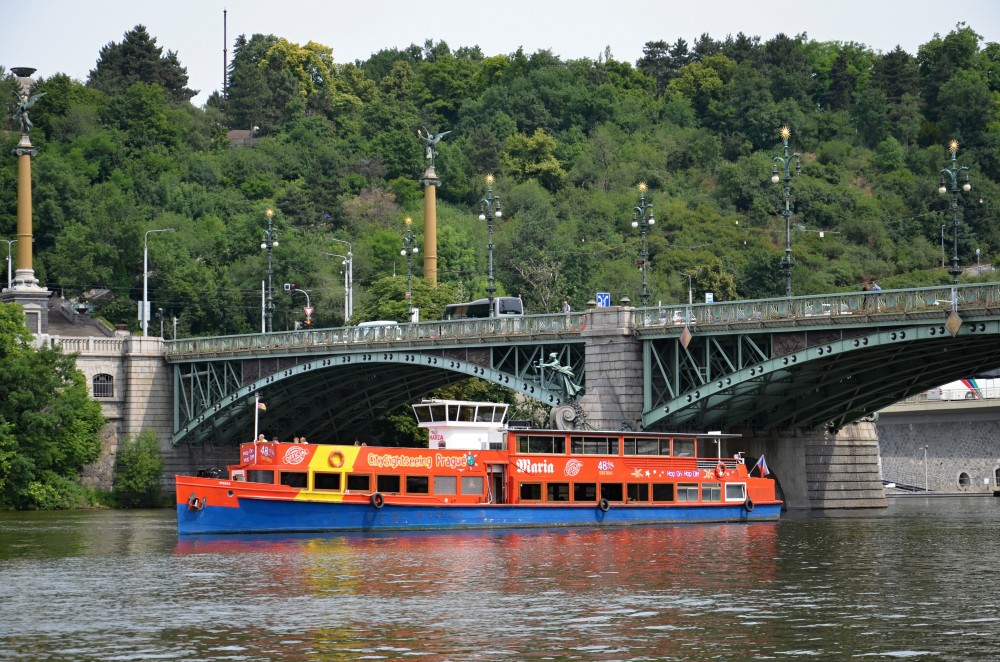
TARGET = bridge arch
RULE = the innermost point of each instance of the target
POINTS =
(324, 397)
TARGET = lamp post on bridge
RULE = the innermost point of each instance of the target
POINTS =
(642, 218)
(489, 209)
(410, 249)
(144, 313)
(348, 277)
(269, 243)
(949, 184)
(10, 242)
(347, 290)
(786, 161)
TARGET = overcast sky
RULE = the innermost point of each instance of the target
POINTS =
(67, 35)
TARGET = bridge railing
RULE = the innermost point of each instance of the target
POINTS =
(440, 330)
(846, 304)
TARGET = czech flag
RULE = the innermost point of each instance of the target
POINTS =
(762, 465)
(261, 406)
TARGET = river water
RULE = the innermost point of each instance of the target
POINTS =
(919, 580)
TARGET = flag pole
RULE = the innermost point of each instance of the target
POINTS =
(256, 416)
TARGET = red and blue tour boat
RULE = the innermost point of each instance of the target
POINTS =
(479, 473)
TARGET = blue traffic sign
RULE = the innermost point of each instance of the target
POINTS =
(604, 299)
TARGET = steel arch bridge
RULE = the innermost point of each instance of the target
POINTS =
(815, 362)
(764, 366)
(338, 382)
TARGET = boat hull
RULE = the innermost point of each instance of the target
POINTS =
(253, 515)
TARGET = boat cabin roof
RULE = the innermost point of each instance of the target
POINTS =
(440, 413)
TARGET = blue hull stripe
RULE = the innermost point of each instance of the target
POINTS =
(264, 516)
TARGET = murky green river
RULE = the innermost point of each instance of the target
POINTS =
(918, 581)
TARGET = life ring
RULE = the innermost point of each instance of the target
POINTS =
(720, 470)
(378, 500)
(194, 503)
(748, 504)
(603, 505)
(336, 459)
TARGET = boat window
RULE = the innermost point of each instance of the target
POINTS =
(421, 414)
(584, 491)
(467, 413)
(293, 478)
(359, 482)
(711, 492)
(387, 484)
(537, 443)
(638, 491)
(687, 491)
(260, 476)
(531, 491)
(325, 481)
(684, 448)
(640, 446)
(418, 485)
(557, 492)
(663, 491)
(736, 492)
(612, 492)
(453, 412)
(485, 414)
(472, 485)
(594, 445)
(437, 413)
(445, 485)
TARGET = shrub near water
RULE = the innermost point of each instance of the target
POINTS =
(137, 474)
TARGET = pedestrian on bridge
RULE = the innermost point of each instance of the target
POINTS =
(566, 307)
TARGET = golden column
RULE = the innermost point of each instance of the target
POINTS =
(24, 288)
(430, 182)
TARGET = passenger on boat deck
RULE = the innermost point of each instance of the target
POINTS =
(302, 440)
(262, 439)
(296, 440)
(275, 439)
(739, 457)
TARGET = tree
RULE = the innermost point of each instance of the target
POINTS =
(137, 59)
(138, 471)
(49, 426)
(533, 157)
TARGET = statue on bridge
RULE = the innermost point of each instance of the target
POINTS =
(430, 141)
(569, 387)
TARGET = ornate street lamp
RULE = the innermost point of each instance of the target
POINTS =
(949, 184)
(489, 209)
(410, 249)
(642, 218)
(269, 243)
(786, 161)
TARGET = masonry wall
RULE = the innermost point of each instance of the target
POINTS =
(613, 395)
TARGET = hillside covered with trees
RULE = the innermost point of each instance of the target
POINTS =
(332, 148)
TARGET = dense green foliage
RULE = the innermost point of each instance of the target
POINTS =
(332, 148)
(49, 426)
(137, 474)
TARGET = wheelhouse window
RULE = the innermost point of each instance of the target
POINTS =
(294, 478)
(594, 445)
(687, 491)
(445, 485)
(531, 491)
(326, 481)
(104, 386)
(663, 492)
(557, 492)
(418, 485)
(359, 482)
(388, 484)
(541, 443)
(585, 492)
